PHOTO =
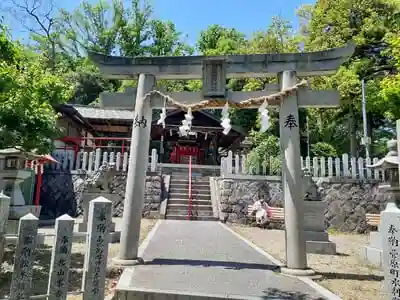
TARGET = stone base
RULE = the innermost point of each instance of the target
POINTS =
(127, 262)
(375, 239)
(82, 227)
(298, 272)
(372, 255)
(317, 236)
(321, 247)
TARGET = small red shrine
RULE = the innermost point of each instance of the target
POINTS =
(180, 155)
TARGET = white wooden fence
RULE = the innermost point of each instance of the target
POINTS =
(91, 161)
(333, 167)
(95, 263)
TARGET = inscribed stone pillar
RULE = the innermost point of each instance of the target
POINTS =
(136, 179)
(390, 231)
(291, 176)
(61, 258)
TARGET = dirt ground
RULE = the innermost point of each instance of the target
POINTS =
(42, 265)
(344, 274)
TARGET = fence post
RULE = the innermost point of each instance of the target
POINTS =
(125, 162)
(153, 165)
(243, 164)
(223, 167)
(84, 161)
(118, 162)
(353, 168)
(330, 167)
(323, 170)
(95, 264)
(237, 163)
(61, 258)
(360, 163)
(315, 167)
(345, 161)
(4, 211)
(105, 158)
(21, 282)
(338, 173)
(229, 162)
(368, 163)
(90, 161)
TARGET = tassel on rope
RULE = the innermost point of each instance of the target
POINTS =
(264, 117)
(186, 127)
(226, 121)
(163, 114)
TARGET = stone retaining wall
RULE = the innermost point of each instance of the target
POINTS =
(62, 193)
(347, 201)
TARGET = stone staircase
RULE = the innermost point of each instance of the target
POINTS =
(177, 207)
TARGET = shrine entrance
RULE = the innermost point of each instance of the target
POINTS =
(288, 96)
(204, 143)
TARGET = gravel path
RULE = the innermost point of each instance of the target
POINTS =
(343, 274)
(42, 265)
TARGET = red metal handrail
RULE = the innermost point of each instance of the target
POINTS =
(190, 190)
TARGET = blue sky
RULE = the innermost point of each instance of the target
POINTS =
(191, 16)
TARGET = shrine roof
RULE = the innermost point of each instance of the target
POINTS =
(95, 112)
(317, 63)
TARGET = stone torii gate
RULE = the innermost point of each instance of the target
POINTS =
(289, 95)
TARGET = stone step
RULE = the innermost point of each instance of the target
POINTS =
(186, 180)
(195, 195)
(193, 218)
(173, 206)
(184, 189)
(185, 201)
(184, 212)
(186, 185)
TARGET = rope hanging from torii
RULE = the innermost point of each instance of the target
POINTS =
(262, 101)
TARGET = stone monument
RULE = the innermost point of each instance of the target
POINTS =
(317, 239)
(372, 253)
(289, 95)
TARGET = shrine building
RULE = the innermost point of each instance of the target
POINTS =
(88, 128)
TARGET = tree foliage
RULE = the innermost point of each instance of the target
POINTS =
(27, 93)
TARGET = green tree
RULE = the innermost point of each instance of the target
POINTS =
(27, 93)
(333, 24)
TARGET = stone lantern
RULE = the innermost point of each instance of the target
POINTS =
(390, 166)
(12, 174)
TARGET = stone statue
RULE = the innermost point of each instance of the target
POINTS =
(310, 188)
(97, 180)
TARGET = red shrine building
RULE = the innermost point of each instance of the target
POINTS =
(88, 128)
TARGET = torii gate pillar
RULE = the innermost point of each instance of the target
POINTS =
(296, 258)
(136, 180)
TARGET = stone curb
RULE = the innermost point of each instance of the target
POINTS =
(328, 295)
